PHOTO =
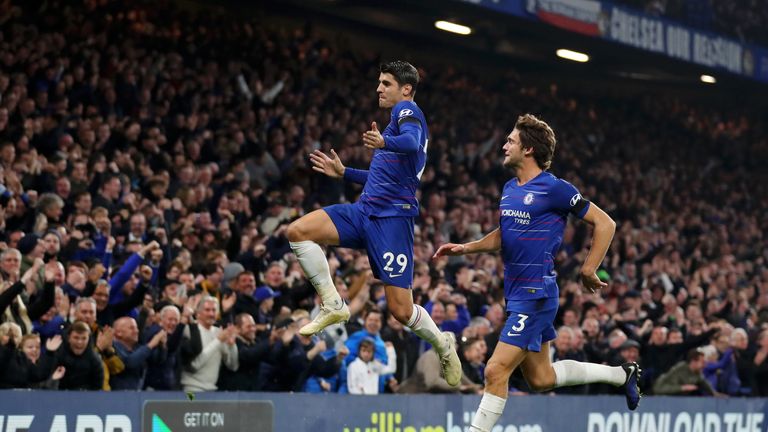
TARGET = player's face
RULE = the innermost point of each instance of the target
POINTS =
(513, 151)
(390, 92)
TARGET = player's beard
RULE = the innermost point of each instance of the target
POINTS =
(511, 163)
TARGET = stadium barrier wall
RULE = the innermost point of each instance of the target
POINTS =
(285, 412)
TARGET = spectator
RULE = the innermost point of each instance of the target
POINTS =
(49, 210)
(106, 311)
(273, 375)
(231, 275)
(30, 345)
(721, 370)
(740, 345)
(658, 355)
(251, 353)
(218, 347)
(265, 299)
(473, 360)
(84, 368)
(292, 296)
(102, 341)
(23, 365)
(163, 371)
(364, 372)
(311, 358)
(685, 378)
(248, 297)
(133, 355)
(108, 194)
(371, 329)
(138, 228)
(12, 306)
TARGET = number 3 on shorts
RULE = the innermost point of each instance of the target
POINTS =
(401, 260)
(520, 323)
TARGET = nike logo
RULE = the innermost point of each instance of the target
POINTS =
(513, 334)
(394, 276)
(502, 198)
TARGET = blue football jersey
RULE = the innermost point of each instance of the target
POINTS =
(394, 177)
(532, 220)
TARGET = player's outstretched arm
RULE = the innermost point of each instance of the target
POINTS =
(490, 243)
(605, 227)
(332, 167)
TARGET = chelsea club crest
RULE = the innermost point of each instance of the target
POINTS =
(528, 199)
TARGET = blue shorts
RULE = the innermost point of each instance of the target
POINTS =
(529, 323)
(388, 241)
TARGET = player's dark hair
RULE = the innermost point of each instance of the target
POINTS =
(404, 73)
(537, 134)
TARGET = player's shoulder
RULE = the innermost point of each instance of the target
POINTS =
(554, 181)
(406, 108)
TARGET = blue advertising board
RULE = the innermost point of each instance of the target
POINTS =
(301, 412)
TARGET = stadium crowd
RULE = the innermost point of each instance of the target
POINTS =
(151, 160)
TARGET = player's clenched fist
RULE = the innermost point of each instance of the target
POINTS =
(373, 138)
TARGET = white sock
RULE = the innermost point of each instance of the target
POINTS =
(488, 413)
(421, 324)
(571, 372)
(312, 260)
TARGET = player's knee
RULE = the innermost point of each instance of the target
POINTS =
(496, 373)
(295, 232)
(400, 313)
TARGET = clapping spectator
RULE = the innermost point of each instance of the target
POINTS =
(251, 352)
(218, 347)
(24, 366)
(133, 355)
(163, 367)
